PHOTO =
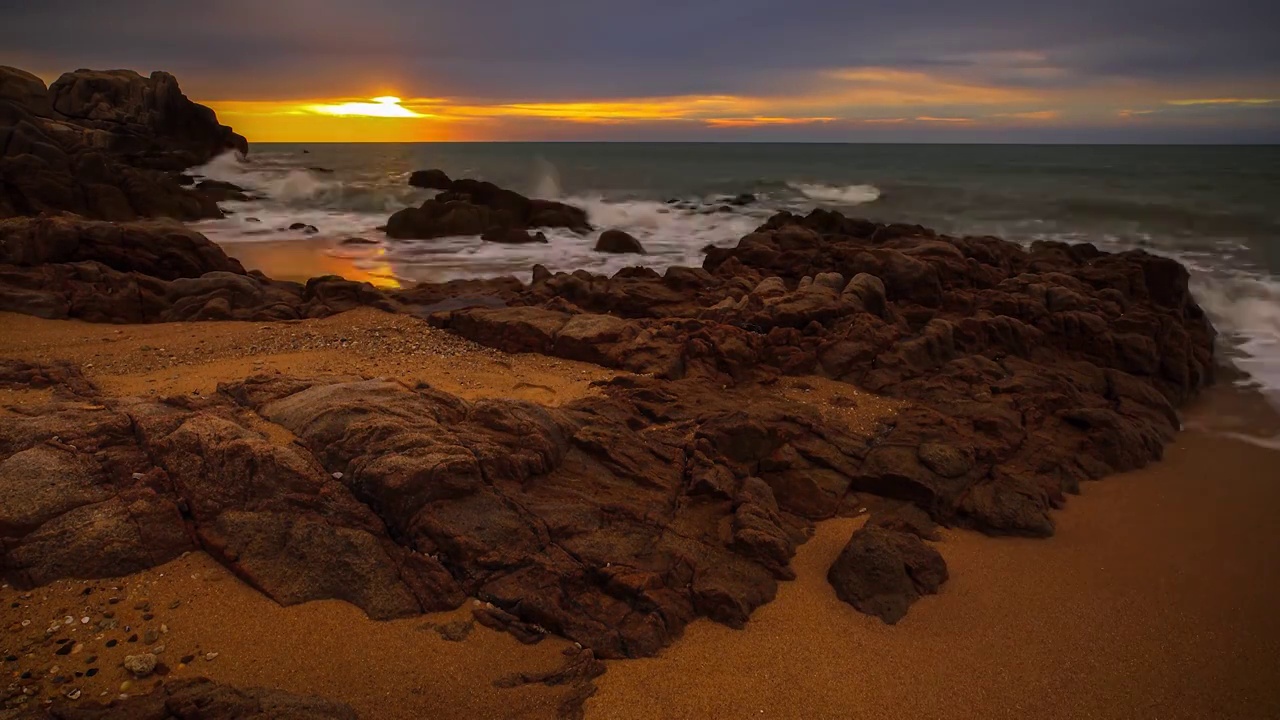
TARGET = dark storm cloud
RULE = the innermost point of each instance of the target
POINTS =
(509, 50)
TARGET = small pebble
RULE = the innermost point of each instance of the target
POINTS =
(74, 694)
(174, 605)
(147, 616)
(187, 658)
(91, 660)
(133, 637)
(91, 672)
(210, 655)
(112, 643)
(158, 649)
(151, 636)
(84, 620)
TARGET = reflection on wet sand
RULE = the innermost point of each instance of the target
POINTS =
(301, 261)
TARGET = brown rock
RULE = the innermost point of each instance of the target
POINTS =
(881, 572)
(617, 241)
(431, 179)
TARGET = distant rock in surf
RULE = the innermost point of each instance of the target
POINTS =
(431, 179)
(474, 207)
(617, 241)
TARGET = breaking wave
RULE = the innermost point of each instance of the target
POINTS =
(838, 194)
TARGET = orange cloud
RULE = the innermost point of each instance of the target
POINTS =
(1033, 115)
(1224, 101)
(758, 121)
(928, 118)
(878, 86)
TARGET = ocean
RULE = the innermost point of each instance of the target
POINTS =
(1215, 208)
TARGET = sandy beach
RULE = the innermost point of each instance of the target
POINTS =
(1153, 600)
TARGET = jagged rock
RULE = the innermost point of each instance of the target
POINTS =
(473, 207)
(881, 572)
(617, 241)
(94, 143)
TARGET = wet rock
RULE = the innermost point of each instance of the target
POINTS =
(103, 144)
(881, 572)
(431, 179)
(617, 241)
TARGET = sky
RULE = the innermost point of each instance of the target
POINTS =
(1173, 71)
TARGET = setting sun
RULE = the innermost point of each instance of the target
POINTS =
(386, 106)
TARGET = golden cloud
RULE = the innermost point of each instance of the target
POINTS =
(878, 86)
(759, 121)
(1033, 115)
(1224, 101)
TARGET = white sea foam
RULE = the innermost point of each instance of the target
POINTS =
(837, 194)
(1246, 311)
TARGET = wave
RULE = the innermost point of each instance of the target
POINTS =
(837, 194)
(1246, 311)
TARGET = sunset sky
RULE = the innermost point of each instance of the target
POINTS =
(900, 70)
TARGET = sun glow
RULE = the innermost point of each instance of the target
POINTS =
(386, 106)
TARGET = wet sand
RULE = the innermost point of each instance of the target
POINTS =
(1154, 600)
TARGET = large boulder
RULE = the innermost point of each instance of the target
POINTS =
(94, 144)
(881, 572)
(146, 119)
(472, 207)
(617, 241)
(430, 179)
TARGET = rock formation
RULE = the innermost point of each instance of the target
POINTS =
(472, 207)
(103, 144)
(881, 572)
(617, 241)
(679, 491)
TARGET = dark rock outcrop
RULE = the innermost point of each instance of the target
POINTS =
(198, 699)
(881, 572)
(617, 241)
(62, 267)
(430, 179)
(1028, 371)
(614, 520)
(473, 207)
(95, 143)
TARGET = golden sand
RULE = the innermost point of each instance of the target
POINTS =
(1156, 599)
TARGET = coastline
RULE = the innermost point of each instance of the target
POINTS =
(1152, 599)
(1155, 598)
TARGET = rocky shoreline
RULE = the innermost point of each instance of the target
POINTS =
(968, 382)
